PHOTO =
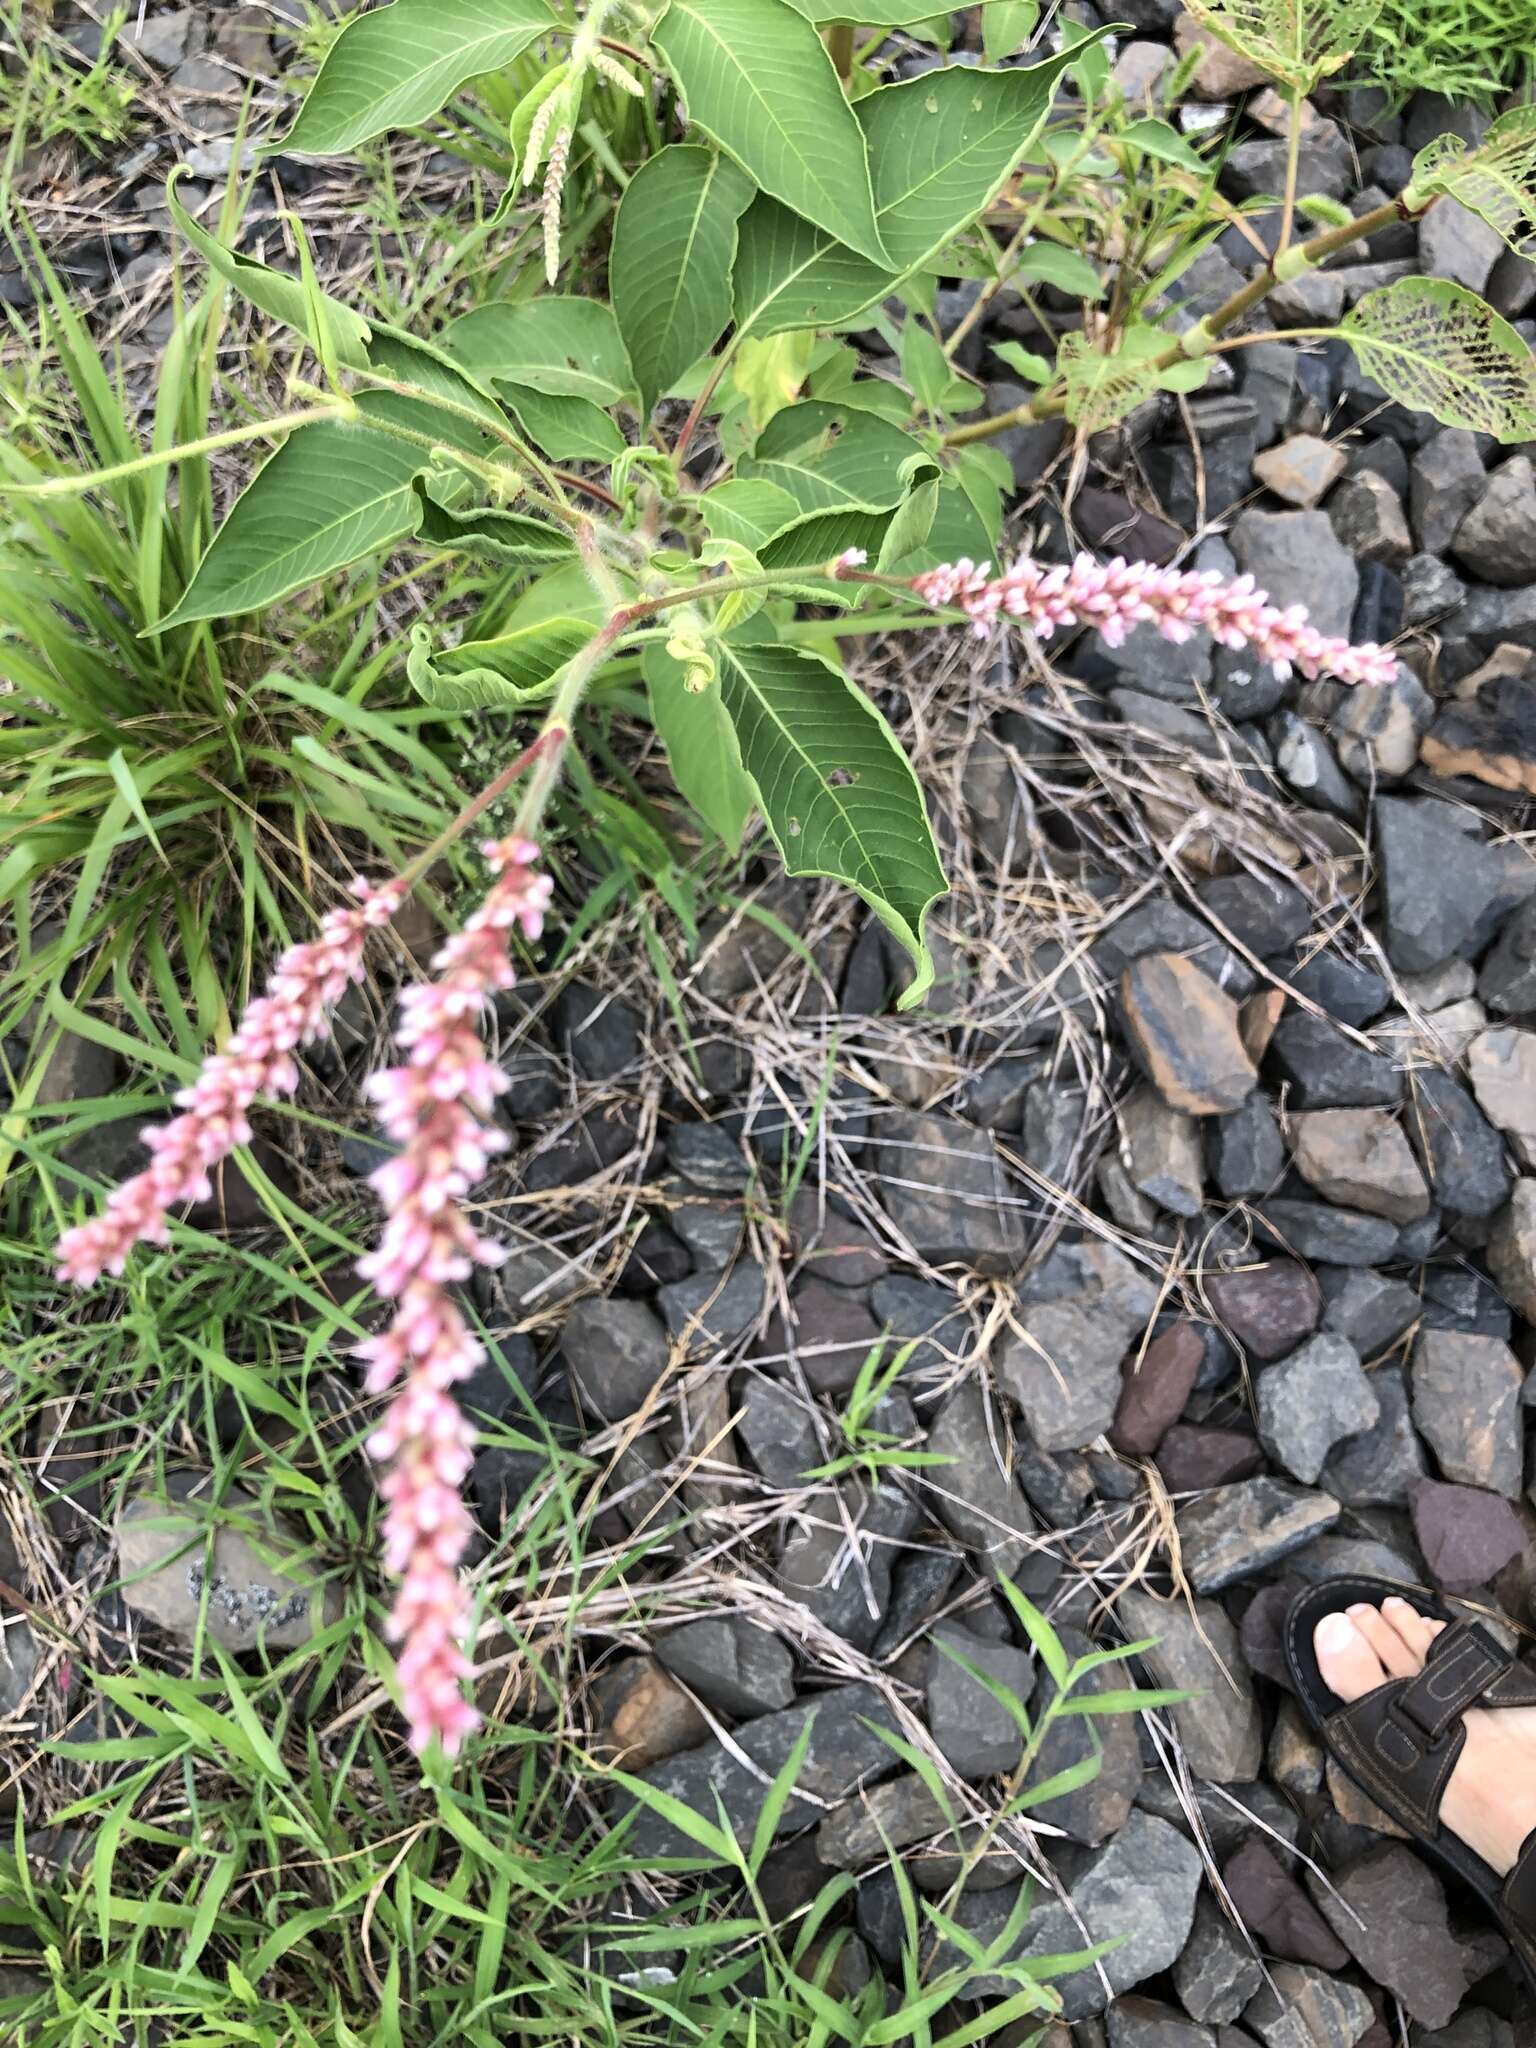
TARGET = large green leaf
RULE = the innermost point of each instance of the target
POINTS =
(757, 79)
(329, 496)
(747, 509)
(514, 669)
(1437, 348)
(1496, 179)
(868, 13)
(566, 347)
(669, 275)
(940, 147)
(702, 747)
(512, 537)
(395, 66)
(828, 456)
(838, 794)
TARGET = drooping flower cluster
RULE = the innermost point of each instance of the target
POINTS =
(1113, 597)
(433, 1108)
(257, 1061)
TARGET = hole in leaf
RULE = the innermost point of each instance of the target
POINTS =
(841, 777)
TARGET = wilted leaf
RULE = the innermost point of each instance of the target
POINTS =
(1100, 388)
(1496, 180)
(1296, 41)
(1438, 348)
(701, 747)
(513, 669)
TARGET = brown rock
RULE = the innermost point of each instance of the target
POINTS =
(1184, 1032)
(1258, 1019)
(1512, 1249)
(1273, 1906)
(1389, 1911)
(1295, 1756)
(1223, 71)
(1190, 1458)
(1357, 1807)
(1156, 1389)
(1301, 469)
(1501, 1065)
(1492, 739)
(1269, 1309)
(644, 1715)
(1360, 1159)
(1466, 1534)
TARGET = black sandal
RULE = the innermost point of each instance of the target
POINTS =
(1400, 1743)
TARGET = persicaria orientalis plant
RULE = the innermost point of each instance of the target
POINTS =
(671, 471)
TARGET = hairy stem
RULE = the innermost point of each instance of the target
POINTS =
(208, 444)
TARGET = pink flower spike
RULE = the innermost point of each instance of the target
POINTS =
(433, 1108)
(257, 1061)
(1114, 597)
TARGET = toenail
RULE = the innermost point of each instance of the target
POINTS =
(1334, 1632)
(1394, 1600)
(1356, 1611)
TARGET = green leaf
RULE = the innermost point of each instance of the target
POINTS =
(674, 243)
(490, 530)
(911, 522)
(1156, 138)
(395, 66)
(1007, 26)
(768, 373)
(1438, 348)
(567, 429)
(1032, 368)
(275, 293)
(815, 537)
(747, 509)
(514, 669)
(876, 13)
(1101, 389)
(701, 746)
(757, 80)
(1296, 41)
(940, 148)
(932, 379)
(329, 496)
(828, 455)
(1049, 263)
(567, 347)
(1497, 179)
(838, 794)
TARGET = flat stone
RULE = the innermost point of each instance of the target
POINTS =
(1234, 1532)
(1306, 758)
(1161, 1151)
(1220, 1728)
(1295, 1757)
(1184, 1033)
(1507, 980)
(1370, 1310)
(643, 1715)
(1311, 1402)
(1462, 1152)
(599, 1031)
(838, 1566)
(1156, 1388)
(831, 1333)
(883, 1817)
(1389, 1910)
(1314, 1230)
(1222, 71)
(1497, 538)
(708, 1157)
(1054, 1131)
(1347, 989)
(1159, 925)
(1381, 1465)
(1137, 2022)
(617, 1351)
(1326, 1069)
(1264, 914)
(979, 1501)
(844, 1752)
(1368, 517)
(1244, 1151)
(1361, 1159)
(1192, 1458)
(1097, 1811)
(946, 1192)
(1227, 1814)
(1307, 2008)
(924, 1315)
(1466, 1404)
(1466, 1535)
(710, 1310)
(1219, 1972)
(1489, 736)
(734, 1667)
(1446, 479)
(1297, 559)
(1445, 893)
(1301, 470)
(252, 1591)
(1512, 1249)
(1501, 1065)
(1078, 1313)
(976, 1733)
(1271, 1903)
(710, 1231)
(1459, 1298)
(1270, 1309)
(778, 1431)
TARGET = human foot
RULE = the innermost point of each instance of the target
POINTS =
(1490, 1801)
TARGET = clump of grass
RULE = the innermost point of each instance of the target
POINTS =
(1475, 50)
(54, 94)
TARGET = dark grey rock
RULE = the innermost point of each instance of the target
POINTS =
(1161, 1152)
(1447, 478)
(1270, 1902)
(617, 1350)
(1315, 1230)
(924, 1315)
(1457, 1298)
(946, 1192)
(1055, 1131)
(1463, 1154)
(1326, 1069)
(845, 1751)
(975, 1495)
(1097, 1811)
(832, 1246)
(1218, 1972)
(778, 1431)
(1265, 915)
(1507, 982)
(1381, 1465)
(920, 1585)
(839, 1564)
(1466, 1405)
(1078, 1312)
(1312, 1401)
(709, 1157)
(1368, 517)
(1160, 925)
(711, 1309)
(1497, 538)
(1297, 559)
(1369, 1310)
(1136, 2022)
(829, 1332)
(1431, 590)
(1389, 1910)
(1220, 1727)
(1307, 2008)
(1235, 1532)
(1244, 1152)
(1305, 758)
(1257, 169)
(1267, 377)
(1352, 993)
(994, 1097)
(711, 1231)
(1227, 1814)
(1226, 431)
(974, 1730)
(601, 1032)
(733, 1667)
(889, 1816)
(1445, 893)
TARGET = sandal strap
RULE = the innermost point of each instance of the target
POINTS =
(1464, 1661)
(1520, 1891)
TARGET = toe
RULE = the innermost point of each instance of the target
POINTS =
(1348, 1662)
(1415, 1629)
(1399, 1660)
